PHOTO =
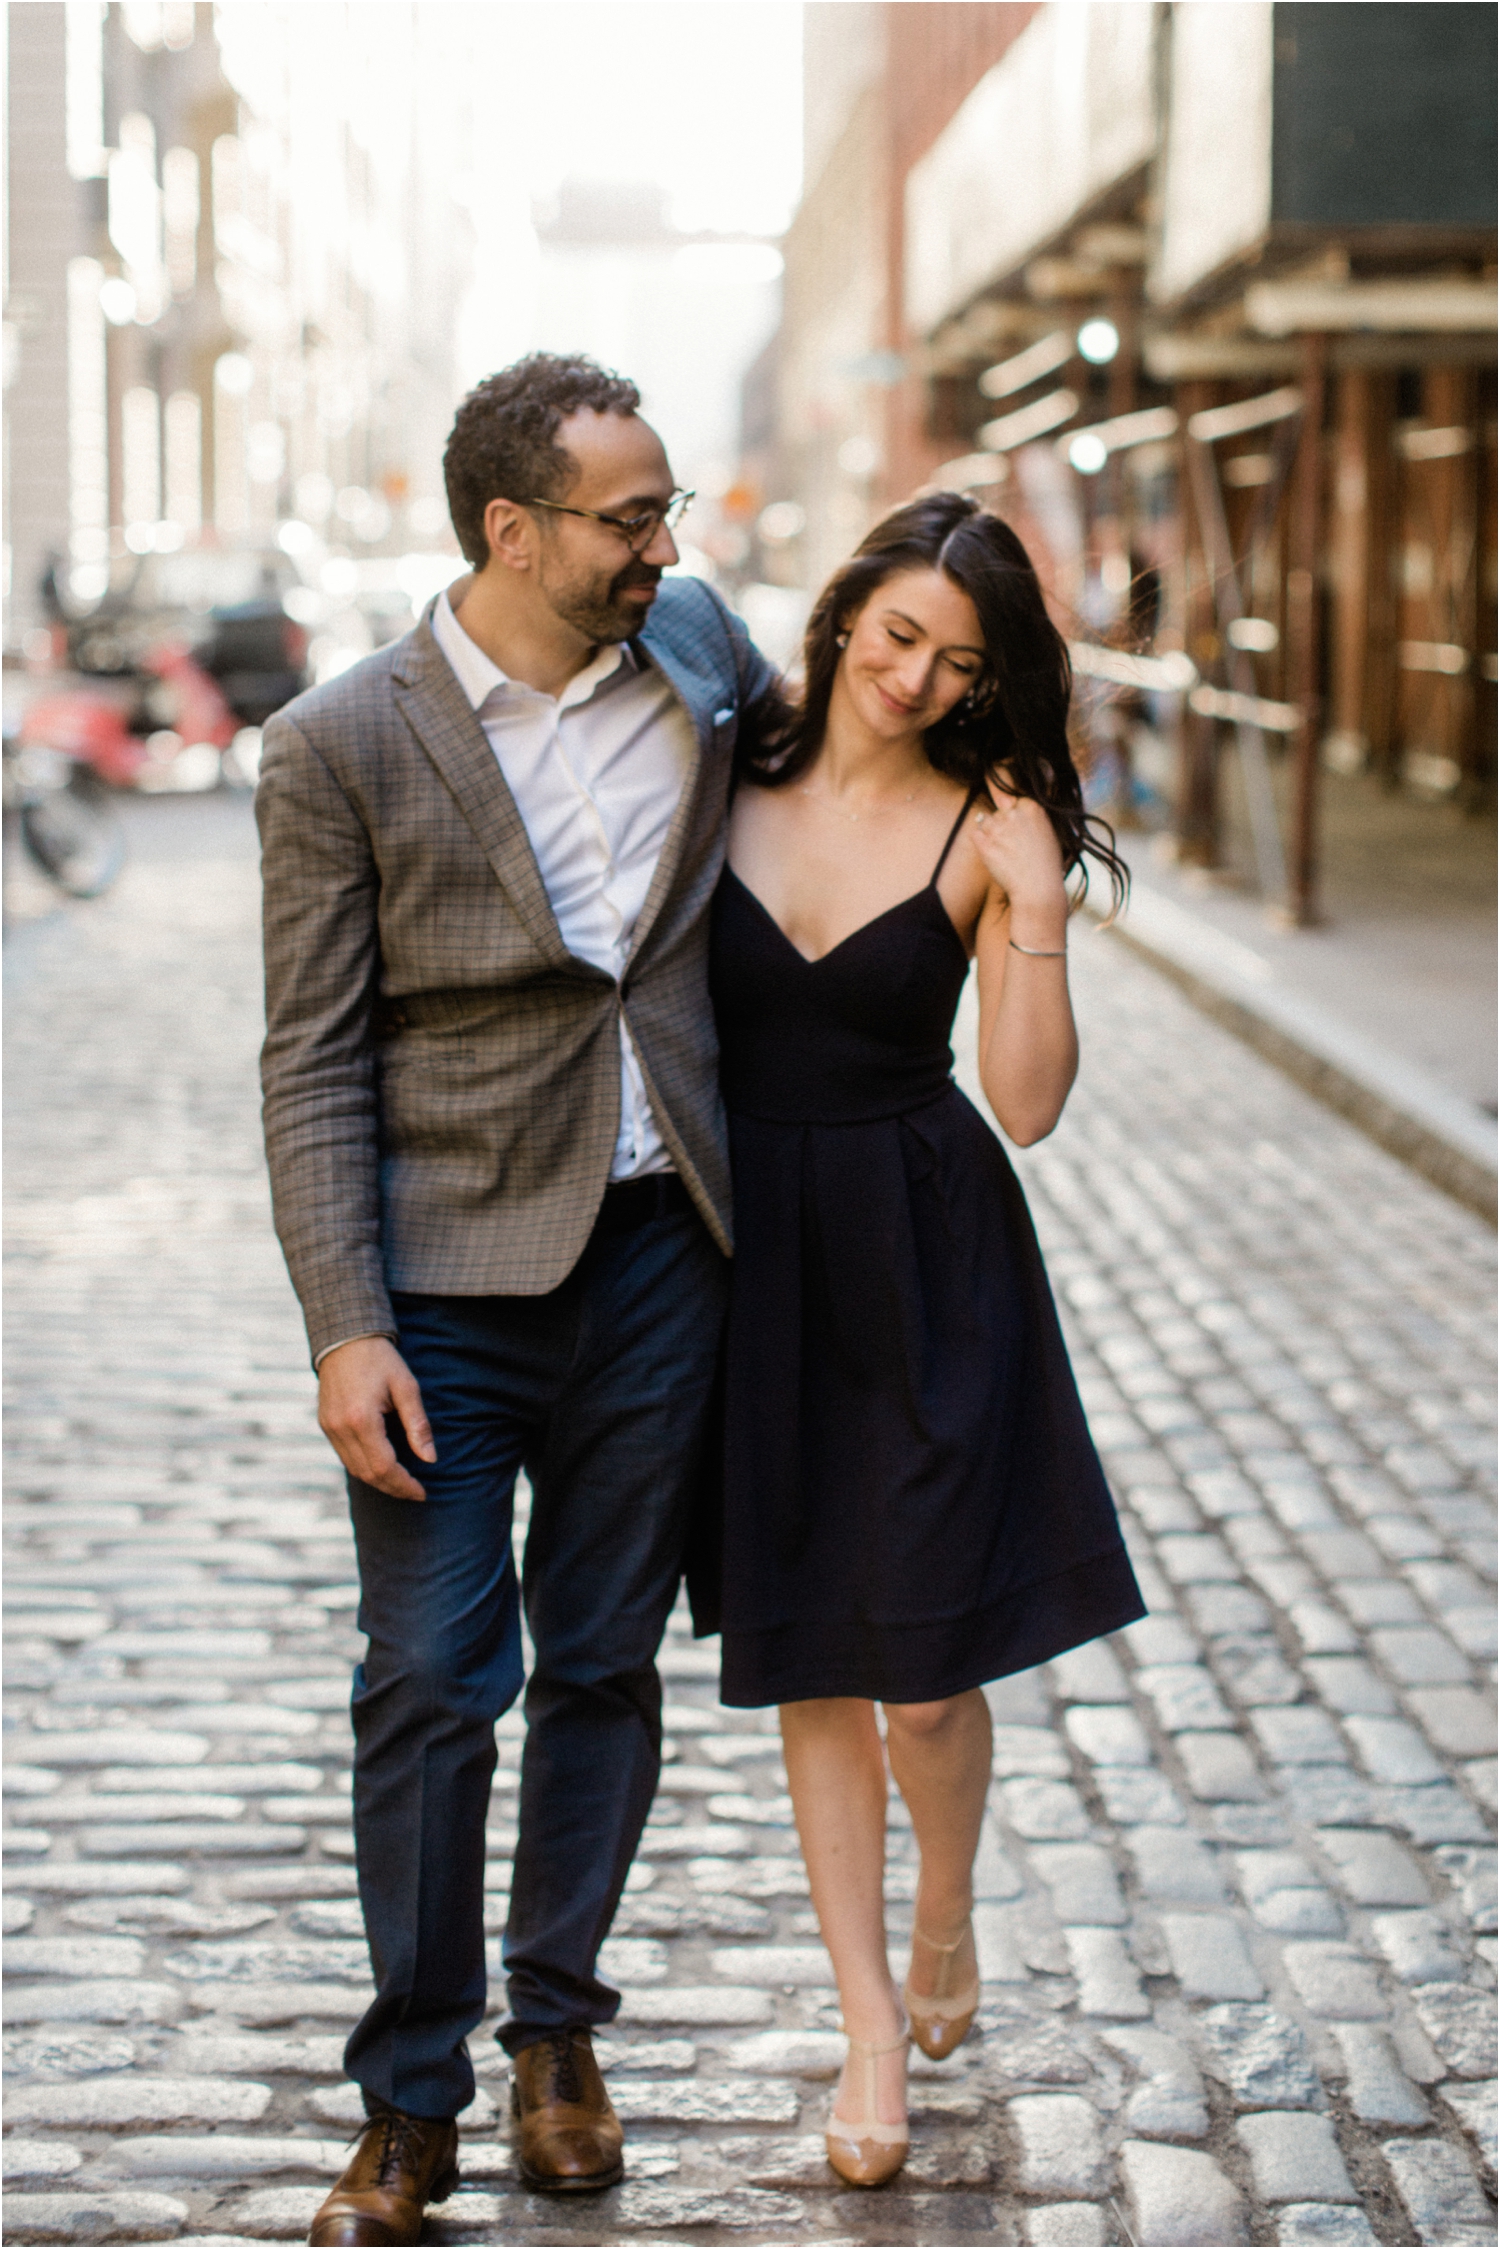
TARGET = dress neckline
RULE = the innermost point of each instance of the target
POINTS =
(929, 889)
(816, 960)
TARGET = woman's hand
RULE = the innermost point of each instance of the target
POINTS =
(1020, 850)
(1028, 1048)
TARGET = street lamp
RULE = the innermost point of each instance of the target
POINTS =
(1098, 342)
(117, 301)
(234, 374)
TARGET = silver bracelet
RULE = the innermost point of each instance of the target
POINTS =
(1036, 953)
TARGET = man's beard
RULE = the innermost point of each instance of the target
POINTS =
(596, 607)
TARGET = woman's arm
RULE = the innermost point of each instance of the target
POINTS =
(1028, 1044)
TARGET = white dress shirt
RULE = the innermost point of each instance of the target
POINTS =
(596, 773)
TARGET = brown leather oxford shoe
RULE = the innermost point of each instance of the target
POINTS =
(570, 2138)
(399, 2165)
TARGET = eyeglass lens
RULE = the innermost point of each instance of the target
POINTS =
(641, 529)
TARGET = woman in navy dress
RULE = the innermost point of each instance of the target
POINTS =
(913, 1504)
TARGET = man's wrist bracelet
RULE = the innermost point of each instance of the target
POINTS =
(1037, 953)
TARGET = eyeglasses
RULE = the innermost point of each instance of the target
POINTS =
(638, 531)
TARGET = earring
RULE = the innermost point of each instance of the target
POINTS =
(841, 640)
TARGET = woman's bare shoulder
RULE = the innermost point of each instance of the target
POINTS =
(755, 806)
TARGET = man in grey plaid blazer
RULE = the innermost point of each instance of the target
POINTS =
(499, 1171)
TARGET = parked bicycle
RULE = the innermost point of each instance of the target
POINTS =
(65, 816)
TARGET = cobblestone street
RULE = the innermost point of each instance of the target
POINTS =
(1237, 1890)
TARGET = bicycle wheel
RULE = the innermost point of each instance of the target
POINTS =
(75, 836)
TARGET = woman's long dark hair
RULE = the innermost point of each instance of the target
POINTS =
(1010, 733)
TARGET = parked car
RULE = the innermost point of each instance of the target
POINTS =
(234, 609)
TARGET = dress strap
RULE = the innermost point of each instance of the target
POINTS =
(968, 803)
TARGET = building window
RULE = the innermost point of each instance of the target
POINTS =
(135, 213)
(233, 377)
(84, 96)
(228, 194)
(88, 432)
(182, 428)
(179, 192)
(152, 24)
(140, 467)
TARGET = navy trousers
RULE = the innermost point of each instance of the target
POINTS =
(601, 1392)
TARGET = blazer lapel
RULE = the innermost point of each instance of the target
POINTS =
(698, 691)
(439, 714)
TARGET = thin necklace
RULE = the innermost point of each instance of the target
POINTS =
(819, 797)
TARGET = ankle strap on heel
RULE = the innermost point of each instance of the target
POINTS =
(863, 2046)
(932, 1943)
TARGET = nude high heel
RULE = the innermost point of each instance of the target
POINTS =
(940, 2019)
(867, 2153)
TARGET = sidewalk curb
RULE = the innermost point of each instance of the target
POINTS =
(1397, 1105)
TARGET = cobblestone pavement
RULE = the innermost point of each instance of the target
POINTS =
(1237, 1901)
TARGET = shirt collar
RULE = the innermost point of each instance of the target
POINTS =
(480, 676)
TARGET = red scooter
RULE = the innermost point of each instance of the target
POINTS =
(130, 729)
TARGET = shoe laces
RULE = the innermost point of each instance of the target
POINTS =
(401, 2148)
(565, 2083)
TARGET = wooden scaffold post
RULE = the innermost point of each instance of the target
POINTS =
(1304, 632)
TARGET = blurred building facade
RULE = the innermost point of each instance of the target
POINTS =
(237, 243)
(1203, 296)
(679, 310)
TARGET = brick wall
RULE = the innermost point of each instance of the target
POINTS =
(935, 56)
(937, 53)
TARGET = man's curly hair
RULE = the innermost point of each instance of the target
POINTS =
(504, 445)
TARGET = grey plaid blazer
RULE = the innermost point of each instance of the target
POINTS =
(441, 1075)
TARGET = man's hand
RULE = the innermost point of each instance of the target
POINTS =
(359, 1383)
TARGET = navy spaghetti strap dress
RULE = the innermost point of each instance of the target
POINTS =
(912, 1503)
